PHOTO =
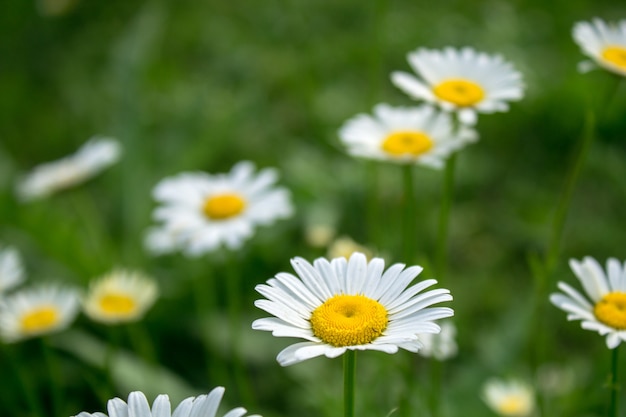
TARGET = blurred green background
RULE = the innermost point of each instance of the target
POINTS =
(200, 85)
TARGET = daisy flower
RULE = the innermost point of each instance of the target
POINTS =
(410, 135)
(11, 270)
(604, 43)
(37, 311)
(606, 313)
(511, 398)
(137, 406)
(344, 247)
(200, 212)
(349, 304)
(442, 345)
(465, 81)
(92, 158)
(119, 297)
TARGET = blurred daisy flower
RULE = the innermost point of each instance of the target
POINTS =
(606, 313)
(137, 406)
(119, 297)
(349, 304)
(37, 311)
(11, 270)
(92, 158)
(200, 212)
(464, 81)
(344, 247)
(511, 398)
(410, 135)
(604, 43)
(442, 345)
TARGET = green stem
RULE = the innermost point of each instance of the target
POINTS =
(141, 342)
(349, 373)
(436, 372)
(55, 377)
(109, 358)
(205, 301)
(614, 385)
(444, 218)
(409, 225)
(373, 213)
(27, 385)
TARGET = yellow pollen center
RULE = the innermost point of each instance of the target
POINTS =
(616, 55)
(611, 310)
(406, 142)
(461, 92)
(40, 319)
(512, 406)
(349, 320)
(117, 304)
(223, 206)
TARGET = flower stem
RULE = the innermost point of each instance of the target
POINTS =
(55, 377)
(441, 254)
(27, 385)
(349, 373)
(614, 384)
(409, 216)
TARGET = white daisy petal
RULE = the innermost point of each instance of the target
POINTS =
(604, 43)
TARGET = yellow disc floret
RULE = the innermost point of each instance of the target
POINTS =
(40, 319)
(114, 304)
(223, 206)
(349, 320)
(407, 142)
(611, 310)
(514, 405)
(615, 55)
(461, 92)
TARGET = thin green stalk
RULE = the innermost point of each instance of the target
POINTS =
(409, 225)
(373, 208)
(614, 385)
(205, 301)
(27, 385)
(55, 377)
(441, 254)
(436, 373)
(109, 357)
(349, 374)
(141, 342)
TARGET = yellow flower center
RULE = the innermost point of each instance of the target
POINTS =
(616, 55)
(40, 319)
(117, 304)
(349, 320)
(461, 92)
(513, 406)
(611, 310)
(223, 206)
(407, 142)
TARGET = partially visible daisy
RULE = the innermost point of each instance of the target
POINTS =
(604, 43)
(410, 135)
(440, 346)
(349, 304)
(92, 158)
(137, 406)
(512, 398)
(201, 212)
(37, 311)
(119, 297)
(11, 270)
(345, 246)
(461, 80)
(606, 313)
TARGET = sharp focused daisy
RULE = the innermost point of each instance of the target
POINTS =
(11, 270)
(93, 157)
(120, 296)
(606, 313)
(440, 346)
(605, 43)
(137, 406)
(201, 212)
(410, 135)
(349, 304)
(465, 81)
(37, 311)
(512, 398)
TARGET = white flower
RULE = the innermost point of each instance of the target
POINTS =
(137, 406)
(465, 81)
(120, 296)
(606, 314)
(200, 212)
(349, 304)
(37, 311)
(11, 270)
(440, 346)
(93, 157)
(511, 398)
(604, 43)
(344, 247)
(417, 135)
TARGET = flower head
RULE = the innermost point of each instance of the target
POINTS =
(137, 406)
(37, 311)
(606, 313)
(345, 246)
(11, 270)
(465, 81)
(410, 135)
(604, 43)
(46, 179)
(512, 398)
(200, 212)
(442, 345)
(120, 296)
(349, 304)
